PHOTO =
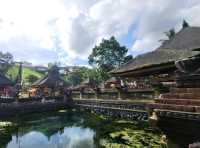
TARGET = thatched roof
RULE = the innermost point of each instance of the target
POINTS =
(180, 47)
(52, 79)
(186, 38)
(4, 81)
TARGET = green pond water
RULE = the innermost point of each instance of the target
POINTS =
(75, 129)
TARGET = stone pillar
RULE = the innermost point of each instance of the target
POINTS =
(119, 95)
(81, 95)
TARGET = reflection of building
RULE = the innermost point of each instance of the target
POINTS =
(159, 65)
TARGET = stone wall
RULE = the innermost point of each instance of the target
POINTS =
(15, 107)
(114, 108)
(116, 112)
(113, 95)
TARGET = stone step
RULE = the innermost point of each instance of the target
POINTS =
(180, 96)
(177, 114)
(185, 108)
(185, 90)
(178, 101)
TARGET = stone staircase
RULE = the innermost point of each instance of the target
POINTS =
(178, 101)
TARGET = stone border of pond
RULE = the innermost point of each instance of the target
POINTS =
(14, 108)
(115, 108)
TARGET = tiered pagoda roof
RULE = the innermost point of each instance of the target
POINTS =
(52, 79)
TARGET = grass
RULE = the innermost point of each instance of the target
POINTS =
(26, 72)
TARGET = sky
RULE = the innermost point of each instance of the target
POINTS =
(43, 31)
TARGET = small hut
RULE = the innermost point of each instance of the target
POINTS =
(51, 83)
(5, 86)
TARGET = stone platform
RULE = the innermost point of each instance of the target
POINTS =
(17, 108)
(178, 103)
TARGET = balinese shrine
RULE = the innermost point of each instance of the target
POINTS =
(176, 64)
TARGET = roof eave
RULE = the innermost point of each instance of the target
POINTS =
(148, 70)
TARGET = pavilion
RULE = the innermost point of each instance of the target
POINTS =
(160, 63)
(5, 85)
(51, 82)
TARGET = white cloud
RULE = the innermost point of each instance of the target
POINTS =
(67, 30)
(156, 18)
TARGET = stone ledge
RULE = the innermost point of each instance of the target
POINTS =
(178, 101)
(185, 90)
(184, 108)
(181, 96)
(177, 114)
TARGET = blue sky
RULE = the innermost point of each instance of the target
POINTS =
(43, 31)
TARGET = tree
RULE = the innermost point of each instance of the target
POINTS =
(8, 59)
(77, 75)
(95, 74)
(108, 55)
(185, 24)
(170, 34)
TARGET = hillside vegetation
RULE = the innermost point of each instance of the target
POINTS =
(26, 72)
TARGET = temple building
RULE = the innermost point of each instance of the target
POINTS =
(159, 65)
(112, 82)
(50, 83)
(5, 86)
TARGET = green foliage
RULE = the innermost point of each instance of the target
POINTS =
(107, 56)
(8, 58)
(26, 72)
(170, 34)
(185, 24)
(115, 133)
(32, 78)
(77, 75)
(110, 133)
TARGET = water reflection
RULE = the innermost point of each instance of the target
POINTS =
(71, 137)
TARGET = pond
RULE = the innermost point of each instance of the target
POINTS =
(77, 129)
(74, 129)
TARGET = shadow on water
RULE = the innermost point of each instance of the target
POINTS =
(181, 133)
